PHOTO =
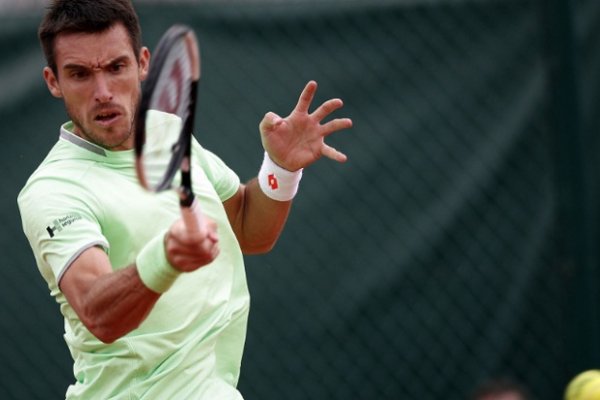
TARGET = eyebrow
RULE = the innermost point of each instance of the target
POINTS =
(74, 66)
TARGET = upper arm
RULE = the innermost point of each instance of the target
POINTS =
(79, 277)
(109, 303)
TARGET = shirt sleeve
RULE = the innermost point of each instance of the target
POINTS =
(225, 181)
(60, 223)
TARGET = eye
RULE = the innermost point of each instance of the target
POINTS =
(117, 67)
(79, 74)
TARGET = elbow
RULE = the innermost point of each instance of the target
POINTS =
(258, 248)
(106, 337)
(105, 332)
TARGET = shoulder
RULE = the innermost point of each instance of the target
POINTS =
(224, 180)
(57, 183)
(55, 177)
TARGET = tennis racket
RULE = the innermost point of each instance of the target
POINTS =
(165, 120)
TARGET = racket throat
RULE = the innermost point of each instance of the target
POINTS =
(186, 196)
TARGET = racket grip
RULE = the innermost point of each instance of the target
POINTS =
(194, 218)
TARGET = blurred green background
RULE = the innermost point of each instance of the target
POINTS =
(459, 242)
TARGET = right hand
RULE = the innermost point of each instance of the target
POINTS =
(187, 251)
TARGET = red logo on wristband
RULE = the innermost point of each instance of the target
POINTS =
(273, 182)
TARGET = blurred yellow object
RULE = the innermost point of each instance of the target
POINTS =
(585, 386)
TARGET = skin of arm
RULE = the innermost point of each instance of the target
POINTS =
(113, 303)
(110, 304)
(256, 219)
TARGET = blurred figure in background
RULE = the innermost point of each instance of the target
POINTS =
(500, 389)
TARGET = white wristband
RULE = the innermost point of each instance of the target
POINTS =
(153, 267)
(276, 182)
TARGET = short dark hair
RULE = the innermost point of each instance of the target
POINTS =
(87, 16)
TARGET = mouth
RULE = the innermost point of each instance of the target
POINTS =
(107, 117)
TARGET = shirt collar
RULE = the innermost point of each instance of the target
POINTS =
(68, 135)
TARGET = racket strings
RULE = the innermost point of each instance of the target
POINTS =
(169, 106)
(171, 94)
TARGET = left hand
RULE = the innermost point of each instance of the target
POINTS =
(298, 140)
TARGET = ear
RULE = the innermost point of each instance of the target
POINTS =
(52, 82)
(144, 63)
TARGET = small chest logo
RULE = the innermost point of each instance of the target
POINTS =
(60, 223)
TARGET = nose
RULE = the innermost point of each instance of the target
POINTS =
(102, 93)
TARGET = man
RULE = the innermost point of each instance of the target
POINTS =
(151, 311)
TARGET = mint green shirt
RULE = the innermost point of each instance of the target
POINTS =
(190, 345)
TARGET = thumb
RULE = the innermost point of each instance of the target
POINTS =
(269, 122)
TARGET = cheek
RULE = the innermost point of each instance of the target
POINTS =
(77, 106)
(76, 94)
(130, 92)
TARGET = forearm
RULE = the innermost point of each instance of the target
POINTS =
(115, 304)
(259, 219)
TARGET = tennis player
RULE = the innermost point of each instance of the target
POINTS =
(151, 311)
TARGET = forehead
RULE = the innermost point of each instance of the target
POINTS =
(92, 48)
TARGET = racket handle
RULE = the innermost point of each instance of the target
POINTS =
(194, 218)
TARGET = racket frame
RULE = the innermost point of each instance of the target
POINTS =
(181, 157)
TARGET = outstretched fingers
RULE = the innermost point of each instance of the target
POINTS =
(336, 125)
(333, 154)
(327, 129)
(306, 97)
(327, 108)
